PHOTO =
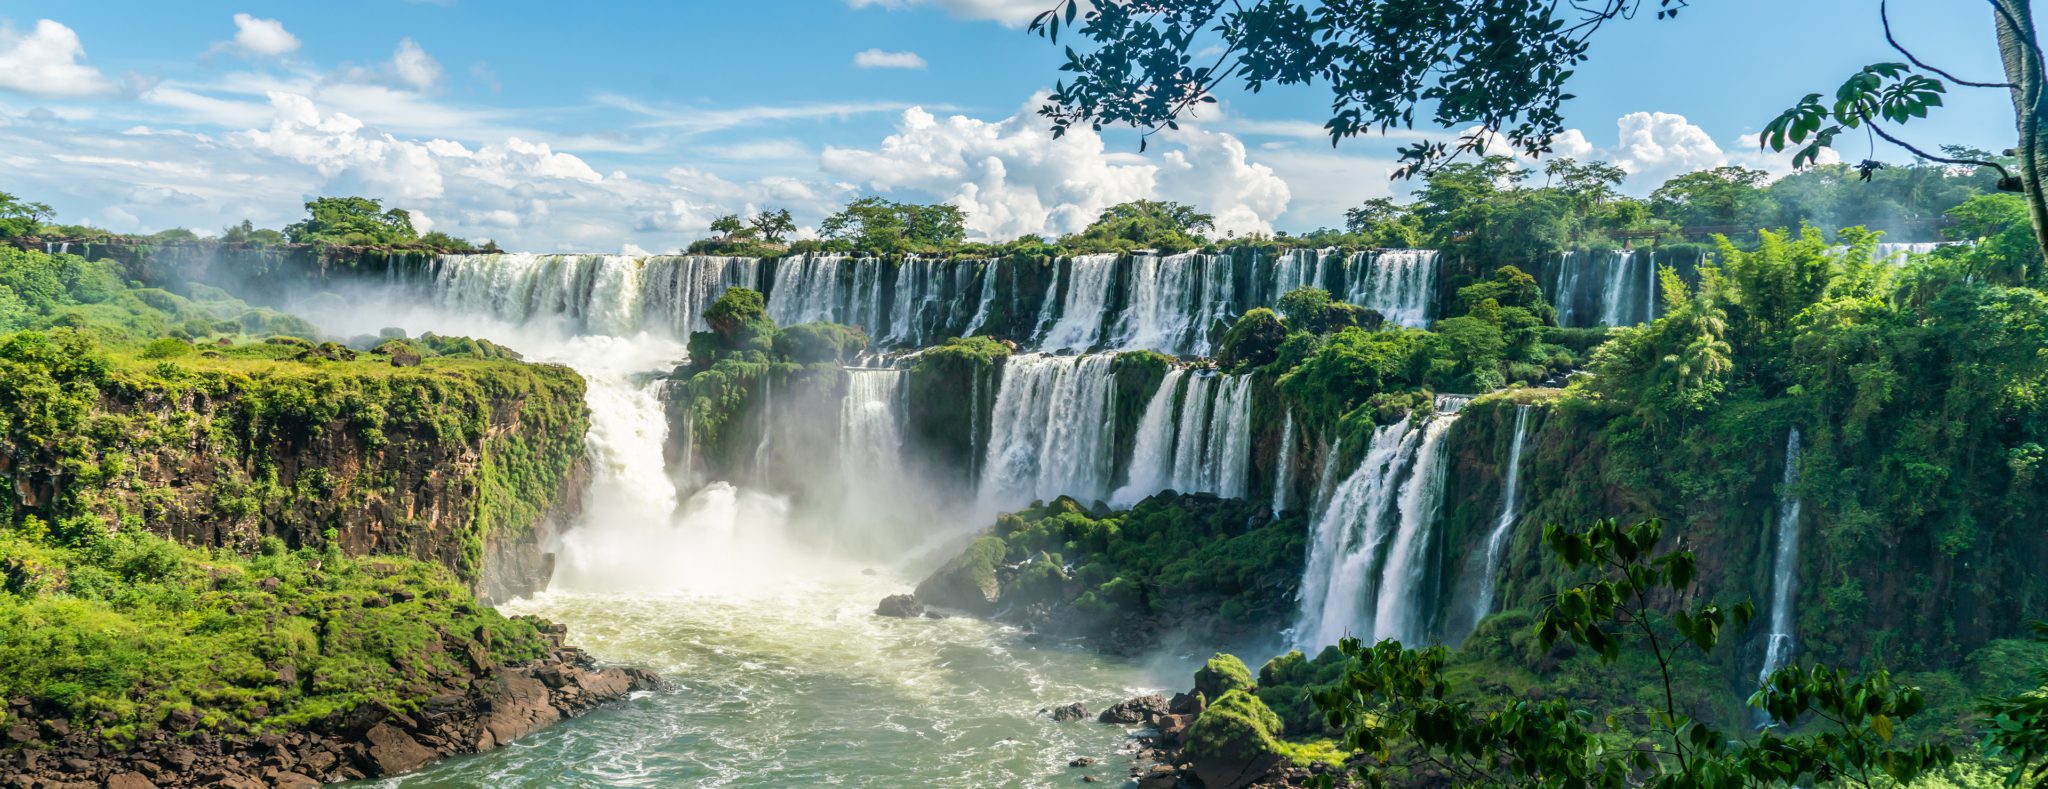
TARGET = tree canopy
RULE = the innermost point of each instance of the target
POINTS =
(1500, 65)
(352, 221)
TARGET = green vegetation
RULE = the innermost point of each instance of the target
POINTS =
(1401, 707)
(1215, 570)
(116, 420)
(734, 366)
(874, 224)
(20, 217)
(124, 633)
(1166, 227)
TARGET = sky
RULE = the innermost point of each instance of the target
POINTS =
(628, 127)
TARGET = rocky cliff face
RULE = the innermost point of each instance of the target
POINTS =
(470, 464)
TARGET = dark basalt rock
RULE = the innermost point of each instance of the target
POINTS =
(476, 711)
(1141, 710)
(1069, 713)
(900, 606)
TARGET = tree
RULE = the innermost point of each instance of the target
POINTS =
(19, 217)
(1385, 223)
(351, 221)
(1497, 65)
(728, 226)
(875, 224)
(1144, 224)
(248, 233)
(1721, 196)
(1588, 185)
(774, 225)
(1896, 93)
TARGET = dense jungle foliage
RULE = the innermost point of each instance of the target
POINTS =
(128, 632)
(135, 419)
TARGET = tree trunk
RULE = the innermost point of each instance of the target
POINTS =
(2019, 48)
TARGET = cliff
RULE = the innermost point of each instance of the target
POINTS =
(468, 463)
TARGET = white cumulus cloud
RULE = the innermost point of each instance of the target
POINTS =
(46, 62)
(414, 67)
(268, 37)
(876, 58)
(1012, 177)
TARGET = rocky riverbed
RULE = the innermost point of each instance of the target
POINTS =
(476, 710)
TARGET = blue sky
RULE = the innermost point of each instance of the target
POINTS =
(628, 126)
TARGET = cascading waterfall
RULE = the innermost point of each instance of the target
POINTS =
(988, 297)
(679, 289)
(1164, 296)
(1784, 565)
(1050, 430)
(1399, 284)
(1284, 483)
(1212, 452)
(1079, 325)
(1896, 254)
(1503, 527)
(1152, 455)
(1567, 285)
(1345, 541)
(1615, 290)
(1401, 599)
(1367, 571)
(1295, 268)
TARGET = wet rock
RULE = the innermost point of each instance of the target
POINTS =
(1069, 713)
(1082, 761)
(900, 606)
(393, 752)
(1142, 709)
(130, 781)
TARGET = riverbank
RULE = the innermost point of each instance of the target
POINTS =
(474, 712)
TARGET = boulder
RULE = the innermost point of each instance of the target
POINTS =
(393, 752)
(1142, 709)
(519, 705)
(1223, 674)
(1069, 713)
(1235, 742)
(900, 606)
(130, 781)
(969, 581)
(1082, 761)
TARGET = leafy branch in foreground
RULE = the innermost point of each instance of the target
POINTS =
(1398, 707)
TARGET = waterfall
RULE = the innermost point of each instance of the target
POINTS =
(1562, 296)
(870, 438)
(1400, 614)
(1229, 438)
(1295, 268)
(1896, 254)
(1050, 430)
(1344, 545)
(1367, 569)
(1191, 470)
(1079, 326)
(1152, 455)
(1165, 293)
(988, 296)
(679, 289)
(1612, 301)
(1784, 565)
(1497, 540)
(1399, 284)
(1284, 481)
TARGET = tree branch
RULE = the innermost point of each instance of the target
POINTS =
(1884, 14)
(1879, 131)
